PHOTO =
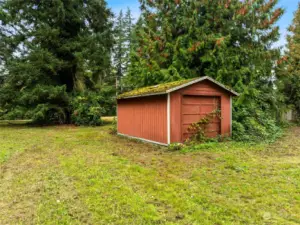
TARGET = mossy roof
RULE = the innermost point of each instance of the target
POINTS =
(166, 88)
(155, 89)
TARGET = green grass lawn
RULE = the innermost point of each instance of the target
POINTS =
(81, 175)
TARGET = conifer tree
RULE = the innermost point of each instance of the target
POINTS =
(51, 49)
(229, 40)
(183, 39)
(128, 25)
(119, 49)
(123, 33)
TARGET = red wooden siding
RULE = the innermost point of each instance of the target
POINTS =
(179, 104)
(144, 117)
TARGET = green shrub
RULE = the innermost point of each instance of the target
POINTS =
(48, 114)
(107, 100)
(254, 125)
(31, 105)
(42, 114)
(114, 129)
(16, 113)
(86, 109)
(175, 146)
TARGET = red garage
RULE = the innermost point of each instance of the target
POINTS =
(162, 113)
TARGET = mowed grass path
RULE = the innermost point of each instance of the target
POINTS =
(73, 175)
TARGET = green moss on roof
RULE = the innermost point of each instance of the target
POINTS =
(155, 89)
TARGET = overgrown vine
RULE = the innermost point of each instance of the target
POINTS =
(199, 128)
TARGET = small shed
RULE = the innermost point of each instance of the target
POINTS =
(162, 113)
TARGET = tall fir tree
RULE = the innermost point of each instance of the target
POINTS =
(51, 49)
(229, 40)
(128, 25)
(119, 49)
(123, 33)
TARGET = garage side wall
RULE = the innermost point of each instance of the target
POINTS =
(144, 118)
(203, 88)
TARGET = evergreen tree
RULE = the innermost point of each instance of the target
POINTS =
(291, 64)
(119, 49)
(229, 40)
(123, 33)
(128, 25)
(50, 49)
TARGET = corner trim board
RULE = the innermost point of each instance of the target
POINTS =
(168, 119)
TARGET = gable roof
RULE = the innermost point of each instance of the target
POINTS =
(170, 87)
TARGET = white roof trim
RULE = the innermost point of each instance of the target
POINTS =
(201, 79)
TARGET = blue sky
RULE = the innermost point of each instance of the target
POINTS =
(289, 5)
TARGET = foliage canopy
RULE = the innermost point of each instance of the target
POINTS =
(289, 65)
(230, 41)
(50, 49)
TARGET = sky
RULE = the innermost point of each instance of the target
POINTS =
(290, 7)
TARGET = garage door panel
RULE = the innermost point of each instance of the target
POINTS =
(215, 120)
(194, 108)
(189, 119)
(185, 136)
(195, 100)
(212, 134)
(192, 118)
(207, 108)
(186, 129)
(213, 127)
(190, 109)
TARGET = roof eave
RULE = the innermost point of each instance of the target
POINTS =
(145, 95)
